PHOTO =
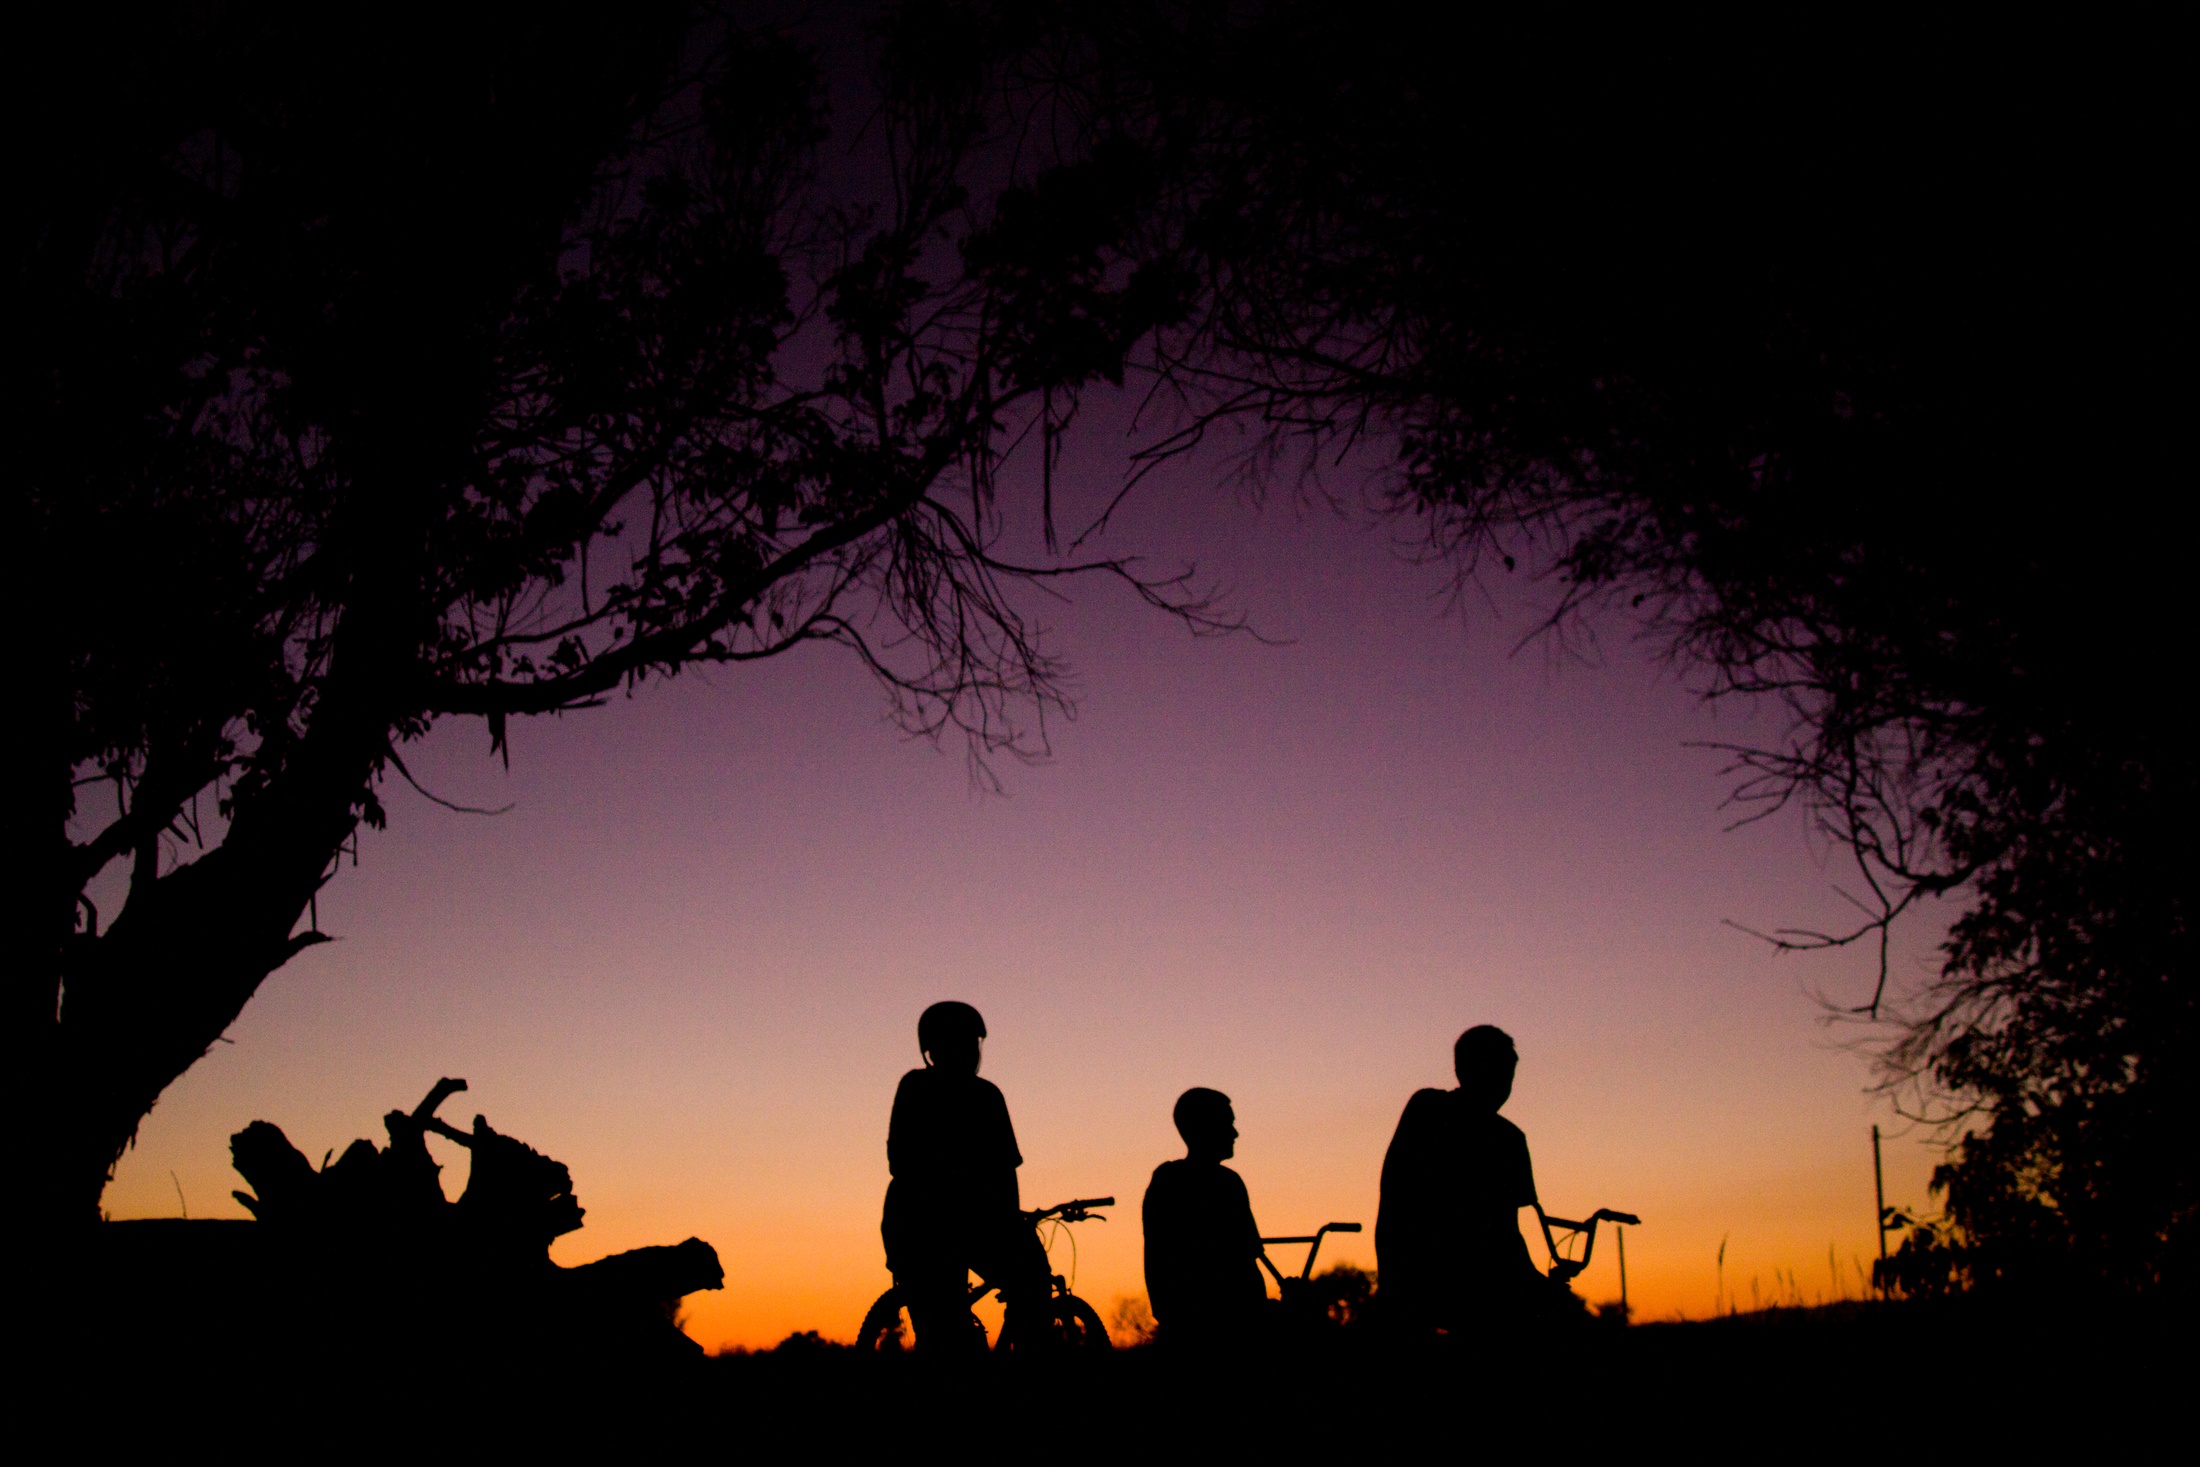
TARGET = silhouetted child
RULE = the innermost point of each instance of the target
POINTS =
(953, 1205)
(1202, 1247)
(1447, 1237)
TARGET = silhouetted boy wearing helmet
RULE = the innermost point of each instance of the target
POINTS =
(953, 1205)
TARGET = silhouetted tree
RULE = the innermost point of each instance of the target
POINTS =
(373, 365)
(362, 380)
(1833, 366)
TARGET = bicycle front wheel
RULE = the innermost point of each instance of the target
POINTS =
(1077, 1325)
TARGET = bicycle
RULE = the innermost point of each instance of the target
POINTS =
(1071, 1324)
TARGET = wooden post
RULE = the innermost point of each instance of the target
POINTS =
(1621, 1229)
(1879, 1194)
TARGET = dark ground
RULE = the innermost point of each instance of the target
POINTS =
(1892, 1381)
(1878, 1379)
(157, 1356)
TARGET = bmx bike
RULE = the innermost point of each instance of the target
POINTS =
(1069, 1323)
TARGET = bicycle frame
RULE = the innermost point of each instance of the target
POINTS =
(1081, 1210)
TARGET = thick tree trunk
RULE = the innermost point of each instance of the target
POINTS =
(147, 998)
(152, 998)
(39, 913)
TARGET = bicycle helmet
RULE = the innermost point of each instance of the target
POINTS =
(948, 1019)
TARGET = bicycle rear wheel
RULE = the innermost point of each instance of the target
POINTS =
(1068, 1324)
(885, 1328)
(889, 1328)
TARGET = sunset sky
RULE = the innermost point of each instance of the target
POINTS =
(689, 962)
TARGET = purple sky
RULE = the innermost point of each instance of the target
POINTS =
(689, 962)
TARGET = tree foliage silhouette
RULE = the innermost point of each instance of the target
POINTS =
(362, 382)
(378, 366)
(1837, 375)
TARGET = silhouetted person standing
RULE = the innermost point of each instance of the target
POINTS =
(1447, 1238)
(953, 1205)
(1202, 1247)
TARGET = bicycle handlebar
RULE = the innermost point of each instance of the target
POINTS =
(1602, 1214)
(1562, 1267)
(1077, 1211)
(1316, 1235)
(1314, 1238)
